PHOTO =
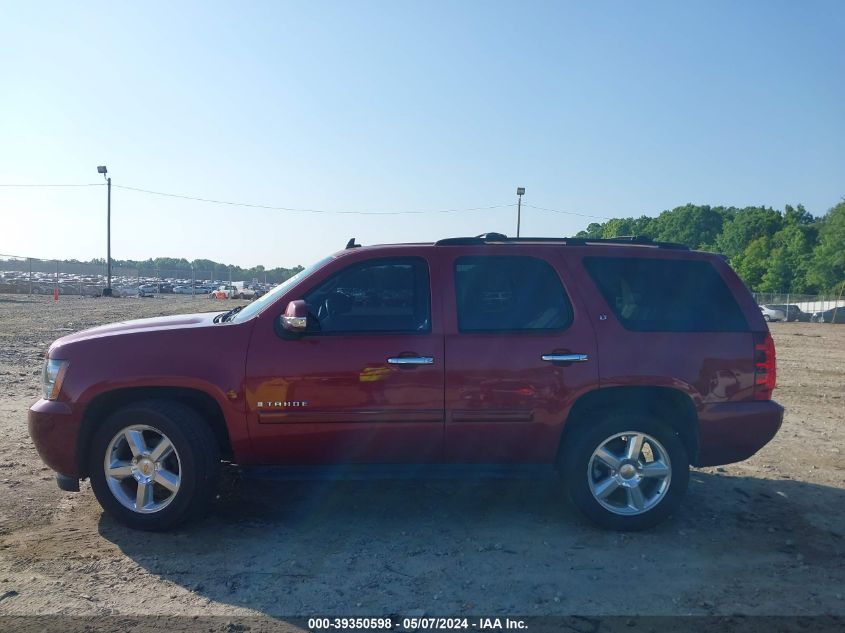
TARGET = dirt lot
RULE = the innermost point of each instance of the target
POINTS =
(763, 537)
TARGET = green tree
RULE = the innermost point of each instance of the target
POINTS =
(797, 215)
(777, 276)
(693, 225)
(617, 227)
(826, 268)
(752, 263)
(594, 230)
(748, 225)
(793, 253)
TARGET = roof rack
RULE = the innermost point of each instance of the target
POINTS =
(499, 238)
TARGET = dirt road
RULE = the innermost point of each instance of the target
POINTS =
(766, 536)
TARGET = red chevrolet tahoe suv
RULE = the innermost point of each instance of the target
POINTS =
(619, 362)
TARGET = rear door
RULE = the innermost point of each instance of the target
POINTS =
(519, 350)
(675, 319)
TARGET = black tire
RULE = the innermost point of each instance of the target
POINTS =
(575, 469)
(767, 318)
(198, 454)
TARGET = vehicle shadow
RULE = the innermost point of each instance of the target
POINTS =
(452, 547)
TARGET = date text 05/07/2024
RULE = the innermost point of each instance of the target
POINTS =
(417, 624)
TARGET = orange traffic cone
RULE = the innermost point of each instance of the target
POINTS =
(56, 294)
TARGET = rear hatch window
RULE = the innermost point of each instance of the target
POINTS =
(666, 295)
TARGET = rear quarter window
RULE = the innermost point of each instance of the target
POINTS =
(666, 295)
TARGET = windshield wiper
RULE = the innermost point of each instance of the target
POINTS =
(228, 315)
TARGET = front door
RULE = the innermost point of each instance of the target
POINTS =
(519, 351)
(364, 384)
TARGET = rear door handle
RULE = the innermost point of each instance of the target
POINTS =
(565, 358)
(411, 360)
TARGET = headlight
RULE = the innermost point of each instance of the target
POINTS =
(52, 377)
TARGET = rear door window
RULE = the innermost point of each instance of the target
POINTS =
(666, 295)
(509, 294)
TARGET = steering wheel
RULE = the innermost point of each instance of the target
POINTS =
(335, 304)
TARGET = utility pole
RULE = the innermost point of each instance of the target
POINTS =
(520, 191)
(103, 170)
(108, 231)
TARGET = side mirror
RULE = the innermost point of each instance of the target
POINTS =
(295, 318)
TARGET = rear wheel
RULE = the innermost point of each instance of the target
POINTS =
(627, 472)
(767, 318)
(154, 464)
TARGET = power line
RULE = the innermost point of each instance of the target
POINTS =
(91, 184)
(297, 210)
(301, 210)
(583, 215)
(270, 207)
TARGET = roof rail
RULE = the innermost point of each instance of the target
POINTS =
(499, 238)
(484, 238)
(642, 239)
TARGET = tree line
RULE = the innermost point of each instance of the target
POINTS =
(772, 250)
(182, 267)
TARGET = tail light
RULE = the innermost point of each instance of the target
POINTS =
(765, 366)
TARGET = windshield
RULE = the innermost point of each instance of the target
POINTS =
(262, 302)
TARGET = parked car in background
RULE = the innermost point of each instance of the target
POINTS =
(236, 290)
(792, 312)
(772, 315)
(243, 290)
(147, 290)
(834, 315)
(224, 291)
(115, 292)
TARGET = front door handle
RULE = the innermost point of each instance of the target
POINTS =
(411, 360)
(565, 358)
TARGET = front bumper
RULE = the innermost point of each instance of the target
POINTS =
(54, 428)
(730, 432)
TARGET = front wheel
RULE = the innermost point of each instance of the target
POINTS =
(153, 464)
(628, 472)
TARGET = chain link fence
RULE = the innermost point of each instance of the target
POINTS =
(810, 305)
(34, 276)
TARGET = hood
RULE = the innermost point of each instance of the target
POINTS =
(138, 326)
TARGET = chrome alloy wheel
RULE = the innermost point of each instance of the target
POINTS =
(629, 473)
(142, 469)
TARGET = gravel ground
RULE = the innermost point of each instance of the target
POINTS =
(766, 536)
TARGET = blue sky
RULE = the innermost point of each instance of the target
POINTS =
(600, 108)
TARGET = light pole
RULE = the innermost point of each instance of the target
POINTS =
(520, 191)
(107, 291)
